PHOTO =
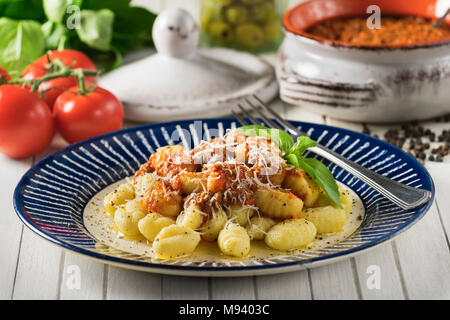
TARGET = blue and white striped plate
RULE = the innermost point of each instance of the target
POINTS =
(51, 196)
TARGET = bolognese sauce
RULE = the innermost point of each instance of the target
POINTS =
(394, 30)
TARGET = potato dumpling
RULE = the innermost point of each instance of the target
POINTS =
(234, 241)
(175, 241)
(291, 234)
(134, 205)
(302, 186)
(162, 200)
(211, 227)
(258, 227)
(274, 203)
(190, 182)
(346, 199)
(118, 197)
(152, 224)
(191, 217)
(326, 219)
(240, 213)
(127, 222)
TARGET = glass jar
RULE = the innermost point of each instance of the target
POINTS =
(249, 25)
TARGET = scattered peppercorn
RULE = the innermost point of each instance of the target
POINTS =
(419, 142)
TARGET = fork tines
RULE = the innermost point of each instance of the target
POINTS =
(261, 109)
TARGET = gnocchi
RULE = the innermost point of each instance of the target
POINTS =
(175, 241)
(118, 197)
(162, 200)
(234, 241)
(276, 204)
(152, 224)
(240, 213)
(258, 227)
(191, 217)
(302, 186)
(212, 226)
(326, 219)
(127, 222)
(248, 193)
(291, 234)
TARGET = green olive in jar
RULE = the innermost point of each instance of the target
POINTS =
(251, 25)
(220, 31)
(263, 12)
(236, 14)
(249, 35)
(251, 2)
(272, 31)
(211, 11)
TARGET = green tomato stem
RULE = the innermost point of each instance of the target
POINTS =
(58, 69)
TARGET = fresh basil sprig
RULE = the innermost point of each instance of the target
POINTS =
(293, 153)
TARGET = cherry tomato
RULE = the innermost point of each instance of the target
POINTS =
(39, 68)
(26, 123)
(80, 117)
(4, 76)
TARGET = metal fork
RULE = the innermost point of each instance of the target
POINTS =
(402, 195)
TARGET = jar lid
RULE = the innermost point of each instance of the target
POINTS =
(181, 81)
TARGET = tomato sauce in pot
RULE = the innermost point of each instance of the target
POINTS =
(394, 30)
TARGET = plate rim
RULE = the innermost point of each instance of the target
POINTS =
(153, 267)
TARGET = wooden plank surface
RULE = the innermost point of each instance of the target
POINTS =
(441, 176)
(39, 269)
(336, 281)
(189, 288)
(234, 288)
(424, 259)
(10, 226)
(131, 285)
(289, 286)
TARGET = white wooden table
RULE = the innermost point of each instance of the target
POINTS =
(414, 266)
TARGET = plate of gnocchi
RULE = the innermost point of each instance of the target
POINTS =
(209, 198)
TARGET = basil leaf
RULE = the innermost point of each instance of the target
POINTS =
(283, 139)
(96, 28)
(55, 10)
(54, 33)
(322, 176)
(21, 42)
(22, 9)
(303, 143)
(293, 159)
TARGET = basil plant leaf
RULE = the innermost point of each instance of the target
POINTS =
(283, 139)
(56, 9)
(323, 177)
(96, 28)
(303, 143)
(21, 42)
(22, 10)
(54, 33)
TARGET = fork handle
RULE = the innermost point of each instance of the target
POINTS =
(402, 195)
